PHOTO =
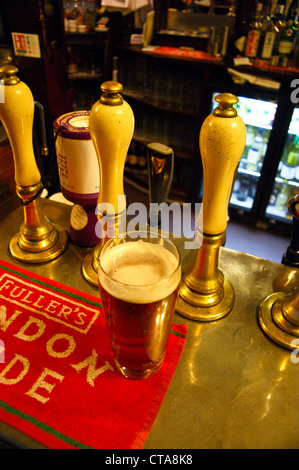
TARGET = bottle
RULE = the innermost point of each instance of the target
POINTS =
(268, 38)
(274, 194)
(289, 165)
(286, 40)
(256, 152)
(243, 189)
(237, 184)
(278, 19)
(296, 41)
(280, 16)
(254, 33)
(238, 40)
(250, 136)
(282, 198)
(252, 187)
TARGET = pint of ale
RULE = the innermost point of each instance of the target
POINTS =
(138, 283)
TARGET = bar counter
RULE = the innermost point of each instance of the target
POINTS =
(233, 387)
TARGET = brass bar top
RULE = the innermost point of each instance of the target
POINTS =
(233, 387)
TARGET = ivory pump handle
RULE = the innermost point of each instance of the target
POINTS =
(222, 141)
(16, 114)
(111, 127)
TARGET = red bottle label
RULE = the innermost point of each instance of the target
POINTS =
(252, 43)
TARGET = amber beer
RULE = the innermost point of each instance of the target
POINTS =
(138, 284)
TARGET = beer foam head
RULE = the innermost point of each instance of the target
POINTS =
(139, 272)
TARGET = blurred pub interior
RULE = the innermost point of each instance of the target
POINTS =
(172, 57)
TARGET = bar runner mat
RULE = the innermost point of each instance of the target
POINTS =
(58, 382)
(181, 52)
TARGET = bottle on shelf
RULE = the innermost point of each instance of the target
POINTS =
(286, 40)
(291, 161)
(254, 33)
(243, 192)
(250, 136)
(282, 198)
(237, 184)
(256, 152)
(278, 20)
(252, 187)
(268, 36)
(239, 36)
(274, 194)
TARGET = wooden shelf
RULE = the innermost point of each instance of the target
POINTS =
(154, 102)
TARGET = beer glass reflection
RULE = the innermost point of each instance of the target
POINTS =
(139, 275)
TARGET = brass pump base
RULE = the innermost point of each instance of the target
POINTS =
(114, 226)
(56, 244)
(90, 265)
(38, 239)
(278, 316)
(208, 313)
(206, 294)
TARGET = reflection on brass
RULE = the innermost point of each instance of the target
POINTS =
(158, 164)
(205, 294)
(38, 240)
(286, 281)
(279, 318)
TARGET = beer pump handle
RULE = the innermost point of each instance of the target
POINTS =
(206, 294)
(38, 239)
(160, 160)
(16, 114)
(291, 256)
(111, 126)
(222, 140)
(278, 313)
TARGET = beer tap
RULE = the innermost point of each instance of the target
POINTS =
(38, 239)
(278, 316)
(111, 126)
(160, 160)
(279, 312)
(205, 293)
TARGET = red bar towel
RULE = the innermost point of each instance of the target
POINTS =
(58, 382)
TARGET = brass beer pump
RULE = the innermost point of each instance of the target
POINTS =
(205, 293)
(38, 239)
(278, 313)
(111, 127)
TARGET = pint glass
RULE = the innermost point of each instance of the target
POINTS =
(139, 275)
